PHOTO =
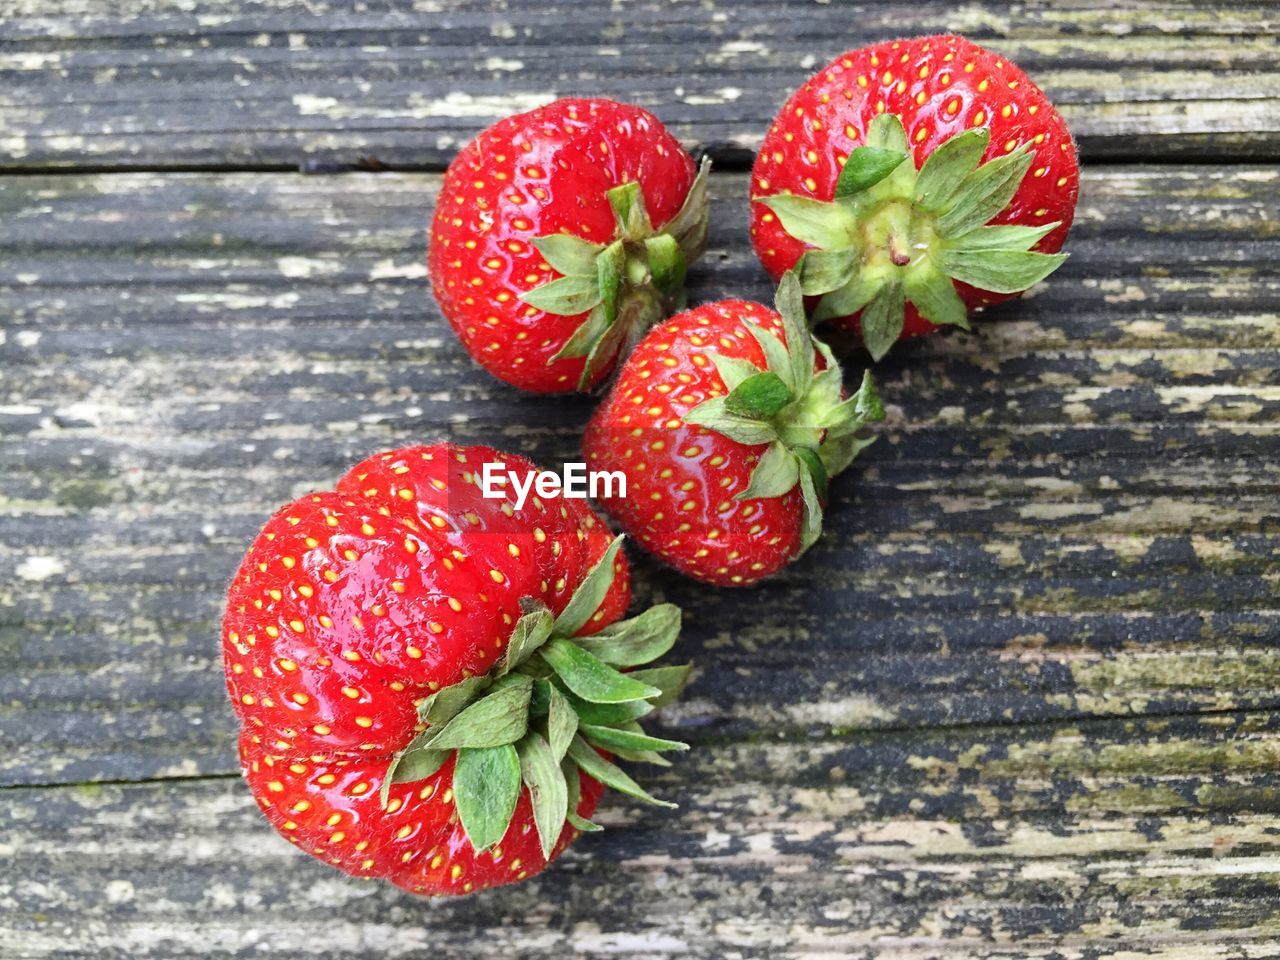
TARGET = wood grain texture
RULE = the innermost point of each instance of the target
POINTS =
(169, 83)
(1073, 511)
(1019, 702)
(1108, 838)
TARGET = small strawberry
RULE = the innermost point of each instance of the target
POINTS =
(561, 235)
(912, 182)
(727, 421)
(427, 677)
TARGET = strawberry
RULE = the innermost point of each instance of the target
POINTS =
(427, 678)
(727, 421)
(561, 235)
(911, 182)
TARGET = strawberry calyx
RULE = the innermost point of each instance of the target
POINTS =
(894, 233)
(811, 428)
(628, 284)
(544, 710)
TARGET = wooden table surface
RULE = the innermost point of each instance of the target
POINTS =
(1019, 701)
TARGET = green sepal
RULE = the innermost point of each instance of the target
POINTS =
(1000, 271)
(638, 756)
(638, 640)
(789, 302)
(935, 297)
(548, 792)
(1004, 237)
(759, 397)
(883, 318)
(599, 337)
(615, 739)
(486, 786)
(666, 263)
(594, 765)
(611, 266)
(574, 789)
(813, 464)
(867, 405)
(946, 168)
(838, 452)
(815, 222)
(849, 416)
(850, 298)
(776, 474)
(591, 678)
(443, 705)
(603, 352)
(409, 766)
(865, 167)
(628, 205)
(570, 255)
(984, 193)
(885, 132)
(775, 351)
(608, 714)
(715, 415)
(689, 225)
(825, 399)
(641, 756)
(822, 271)
(733, 370)
(562, 722)
(670, 680)
(591, 592)
(811, 529)
(585, 336)
(531, 631)
(497, 718)
(566, 297)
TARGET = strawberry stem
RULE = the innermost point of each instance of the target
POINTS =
(627, 285)
(892, 228)
(551, 693)
(799, 412)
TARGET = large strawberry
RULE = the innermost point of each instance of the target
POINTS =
(727, 422)
(912, 182)
(426, 676)
(561, 235)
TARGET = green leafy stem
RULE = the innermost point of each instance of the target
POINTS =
(626, 285)
(893, 234)
(812, 430)
(545, 710)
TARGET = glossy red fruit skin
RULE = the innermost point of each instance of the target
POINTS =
(352, 604)
(681, 479)
(825, 119)
(332, 809)
(528, 176)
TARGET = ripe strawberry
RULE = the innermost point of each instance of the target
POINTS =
(727, 421)
(902, 247)
(561, 235)
(426, 676)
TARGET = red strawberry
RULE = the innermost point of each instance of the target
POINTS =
(561, 235)
(727, 421)
(973, 217)
(399, 651)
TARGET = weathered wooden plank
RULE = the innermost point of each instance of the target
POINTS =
(1148, 838)
(1073, 513)
(161, 83)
